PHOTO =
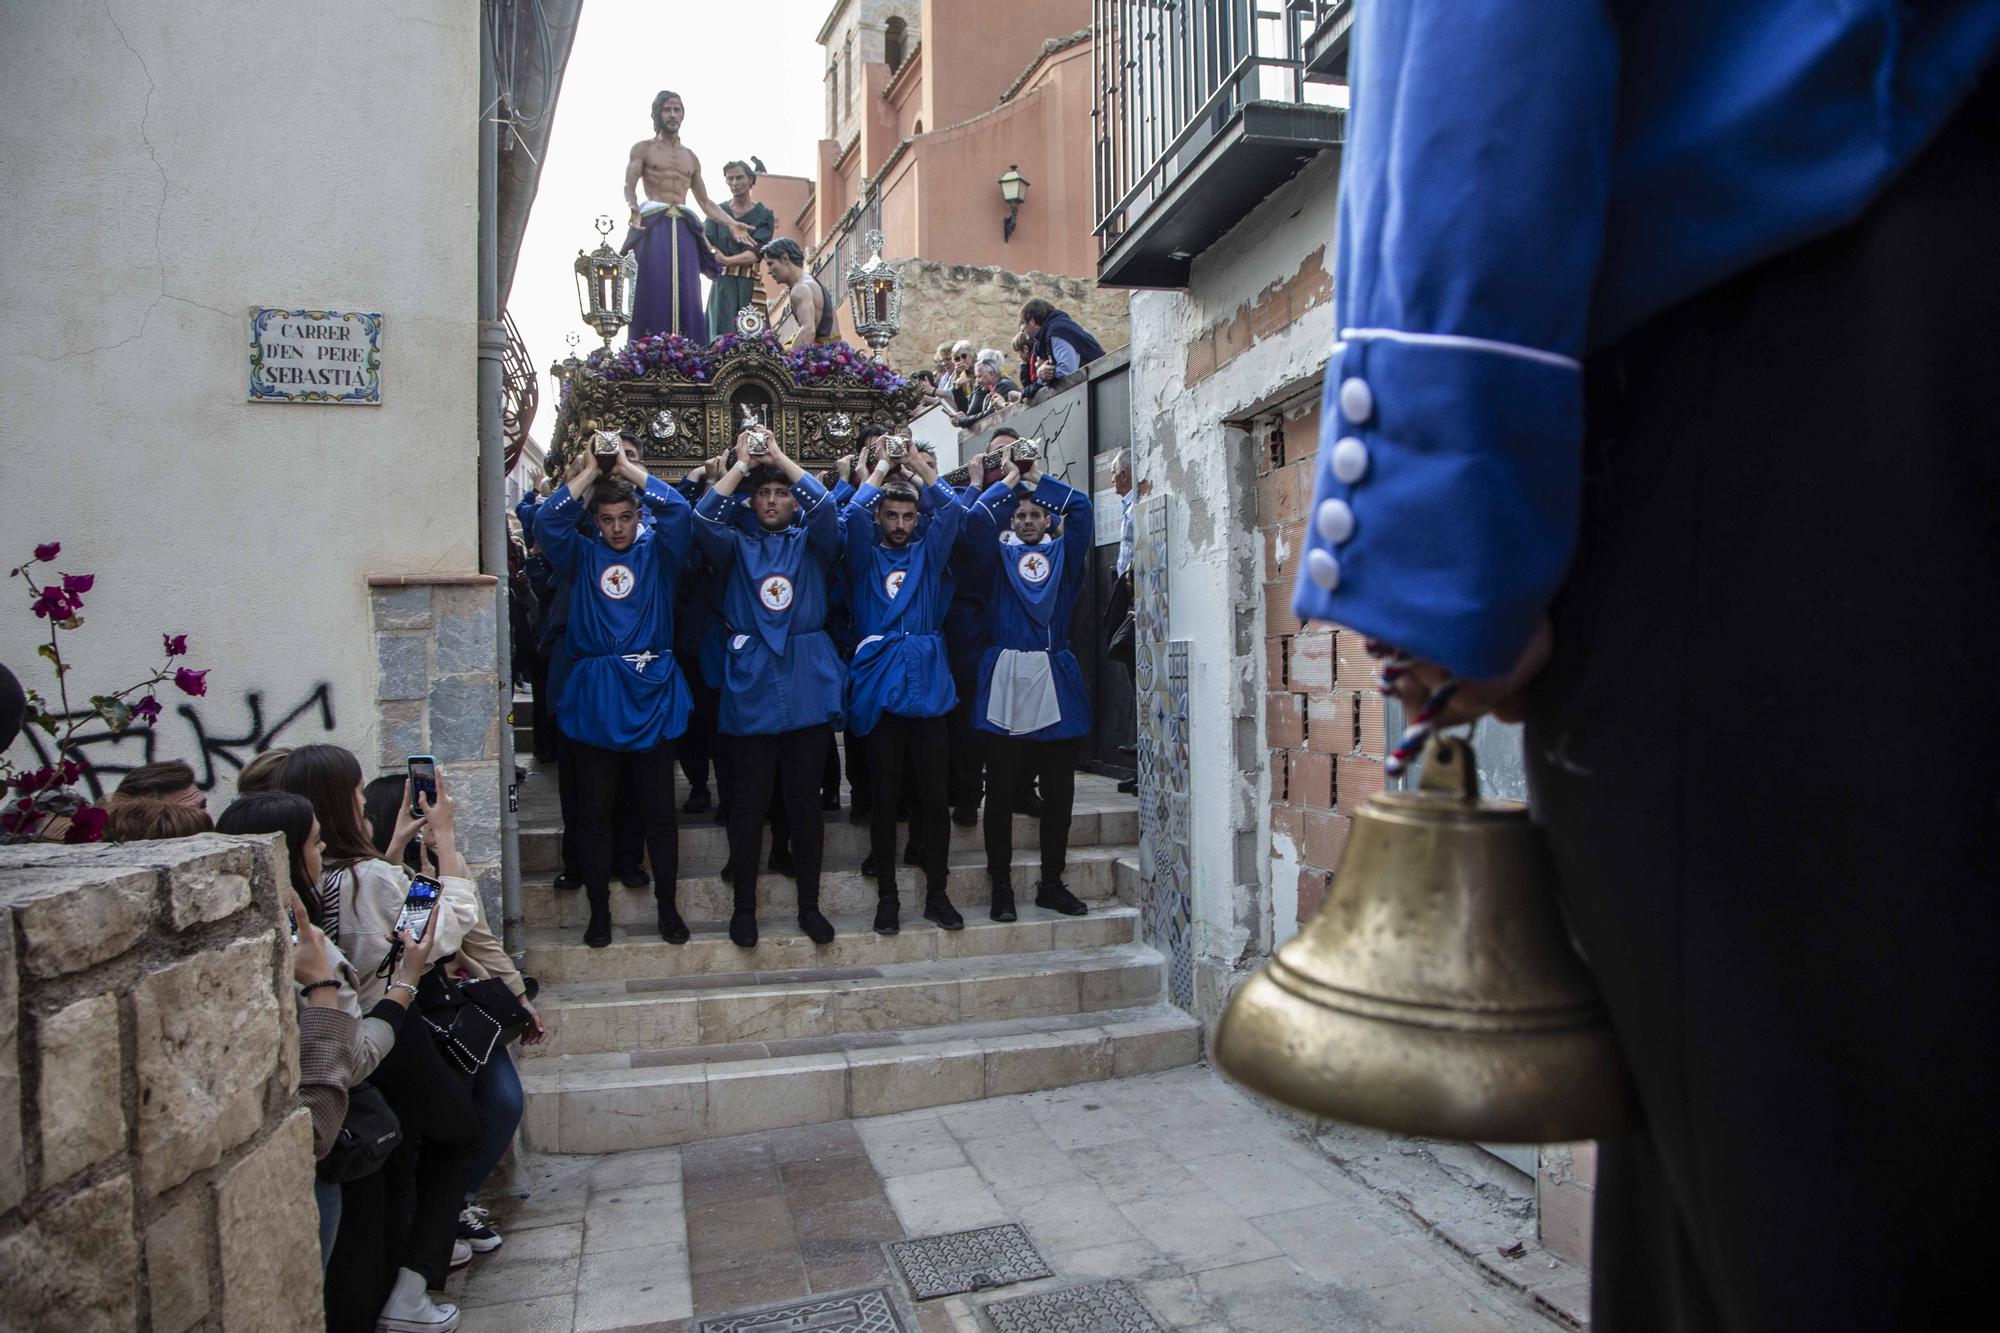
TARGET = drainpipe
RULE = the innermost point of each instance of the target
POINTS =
(493, 478)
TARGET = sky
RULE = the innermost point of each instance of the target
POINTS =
(748, 93)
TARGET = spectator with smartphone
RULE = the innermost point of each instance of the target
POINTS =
(782, 677)
(361, 897)
(1032, 537)
(625, 701)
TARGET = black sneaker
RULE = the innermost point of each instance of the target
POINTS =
(565, 880)
(888, 914)
(743, 930)
(817, 928)
(476, 1231)
(1056, 897)
(672, 929)
(697, 802)
(635, 878)
(1003, 903)
(938, 908)
(1129, 787)
(598, 933)
(965, 816)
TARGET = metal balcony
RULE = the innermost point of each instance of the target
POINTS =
(1201, 110)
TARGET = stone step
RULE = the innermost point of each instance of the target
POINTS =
(721, 1010)
(558, 956)
(704, 844)
(1091, 873)
(609, 1103)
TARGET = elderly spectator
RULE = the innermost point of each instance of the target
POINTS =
(991, 390)
(957, 384)
(1059, 346)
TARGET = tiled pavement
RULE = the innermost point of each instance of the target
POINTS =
(1217, 1211)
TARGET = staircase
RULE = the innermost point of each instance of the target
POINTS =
(652, 1044)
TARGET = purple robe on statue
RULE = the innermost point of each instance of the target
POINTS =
(653, 303)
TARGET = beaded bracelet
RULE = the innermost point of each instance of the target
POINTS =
(321, 984)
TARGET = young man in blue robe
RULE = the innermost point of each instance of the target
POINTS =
(624, 702)
(899, 542)
(1032, 535)
(781, 676)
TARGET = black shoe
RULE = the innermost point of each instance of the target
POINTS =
(565, 880)
(743, 930)
(1029, 805)
(868, 867)
(672, 929)
(1003, 903)
(913, 855)
(859, 813)
(635, 878)
(1055, 896)
(967, 815)
(697, 802)
(817, 928)
(938, 908)
(888, 914)
(598, 933)
(830, 801)
(1129, 786)
(781, 860)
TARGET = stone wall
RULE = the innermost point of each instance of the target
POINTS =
(437, 692)
(945, 302)
(156, 1171)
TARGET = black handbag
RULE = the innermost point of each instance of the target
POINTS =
(367, 1136)
(471, 1018)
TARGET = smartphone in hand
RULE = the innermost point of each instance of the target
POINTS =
(423, 783)
(419, 906)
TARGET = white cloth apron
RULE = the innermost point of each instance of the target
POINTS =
(1022, 698)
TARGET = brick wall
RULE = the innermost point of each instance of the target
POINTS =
(156, 1171)
(1324, 721)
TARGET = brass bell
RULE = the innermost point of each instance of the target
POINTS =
(1436, 993)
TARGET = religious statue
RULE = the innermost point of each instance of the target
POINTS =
(811, 306)
(737, 286)
(671, 249)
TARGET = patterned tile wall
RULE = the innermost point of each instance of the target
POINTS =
(1166, 903)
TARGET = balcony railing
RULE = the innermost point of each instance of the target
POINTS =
(1176, 79)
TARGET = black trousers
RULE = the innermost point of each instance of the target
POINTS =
(967, 768)
(788, 762)
(860, 786)
(916, 747)
(1764, 751)
(648, 788)
(697, 744)
(544, 716)
(1011, 762)
(628, 829)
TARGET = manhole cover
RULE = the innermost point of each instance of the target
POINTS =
(1101, 1307)
(850, 1312)
(967, 1261)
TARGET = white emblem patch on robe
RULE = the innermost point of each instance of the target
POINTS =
(775, 593)
(616, 582)
(1035, 567)
(894, 583)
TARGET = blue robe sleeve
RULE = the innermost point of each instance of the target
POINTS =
(715, 529)
(1446, 498)
(979, 537)
(857, 529)
(843, 491)
(673, 518)
(556, 532)
(947, 514)
(821, 518)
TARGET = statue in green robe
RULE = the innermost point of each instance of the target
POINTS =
(737, 286)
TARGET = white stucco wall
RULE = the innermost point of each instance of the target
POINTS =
(1182, 447)
(167, 165)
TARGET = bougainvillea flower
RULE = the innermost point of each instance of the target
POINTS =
(54, 603)
(147, 709)
(86, 825)
(78, 584)
(48, 550)
(177, 644)
(191, 681)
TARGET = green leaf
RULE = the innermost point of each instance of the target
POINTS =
(48, 650)
(116, 713)
(47, 722)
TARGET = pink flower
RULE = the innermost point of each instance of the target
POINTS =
(48, 550)
(78, 584)
(54, 604)
(86, 825)
(191, 681)
(147, 710)
(177, 644)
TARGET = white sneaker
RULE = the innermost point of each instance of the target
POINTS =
(475, 1230)
(461, 1253)
(411, 1310)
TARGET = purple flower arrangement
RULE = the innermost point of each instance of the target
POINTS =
(684, 358)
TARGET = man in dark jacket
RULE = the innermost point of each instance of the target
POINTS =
(1057, 344)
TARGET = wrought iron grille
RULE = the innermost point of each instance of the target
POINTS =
(520, 391)
(1170, 74)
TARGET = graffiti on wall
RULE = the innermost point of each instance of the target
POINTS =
(215, 757)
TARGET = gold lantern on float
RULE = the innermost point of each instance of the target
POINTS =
(875, 297)
(1436, 991)
(605, 282)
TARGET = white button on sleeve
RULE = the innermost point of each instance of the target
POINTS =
(1350, 460)
(1357, 400)
(1335, 521)
(1324, 569)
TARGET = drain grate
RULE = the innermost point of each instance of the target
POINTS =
(868, 1311)
(962, 1261)
(1100, 1307)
